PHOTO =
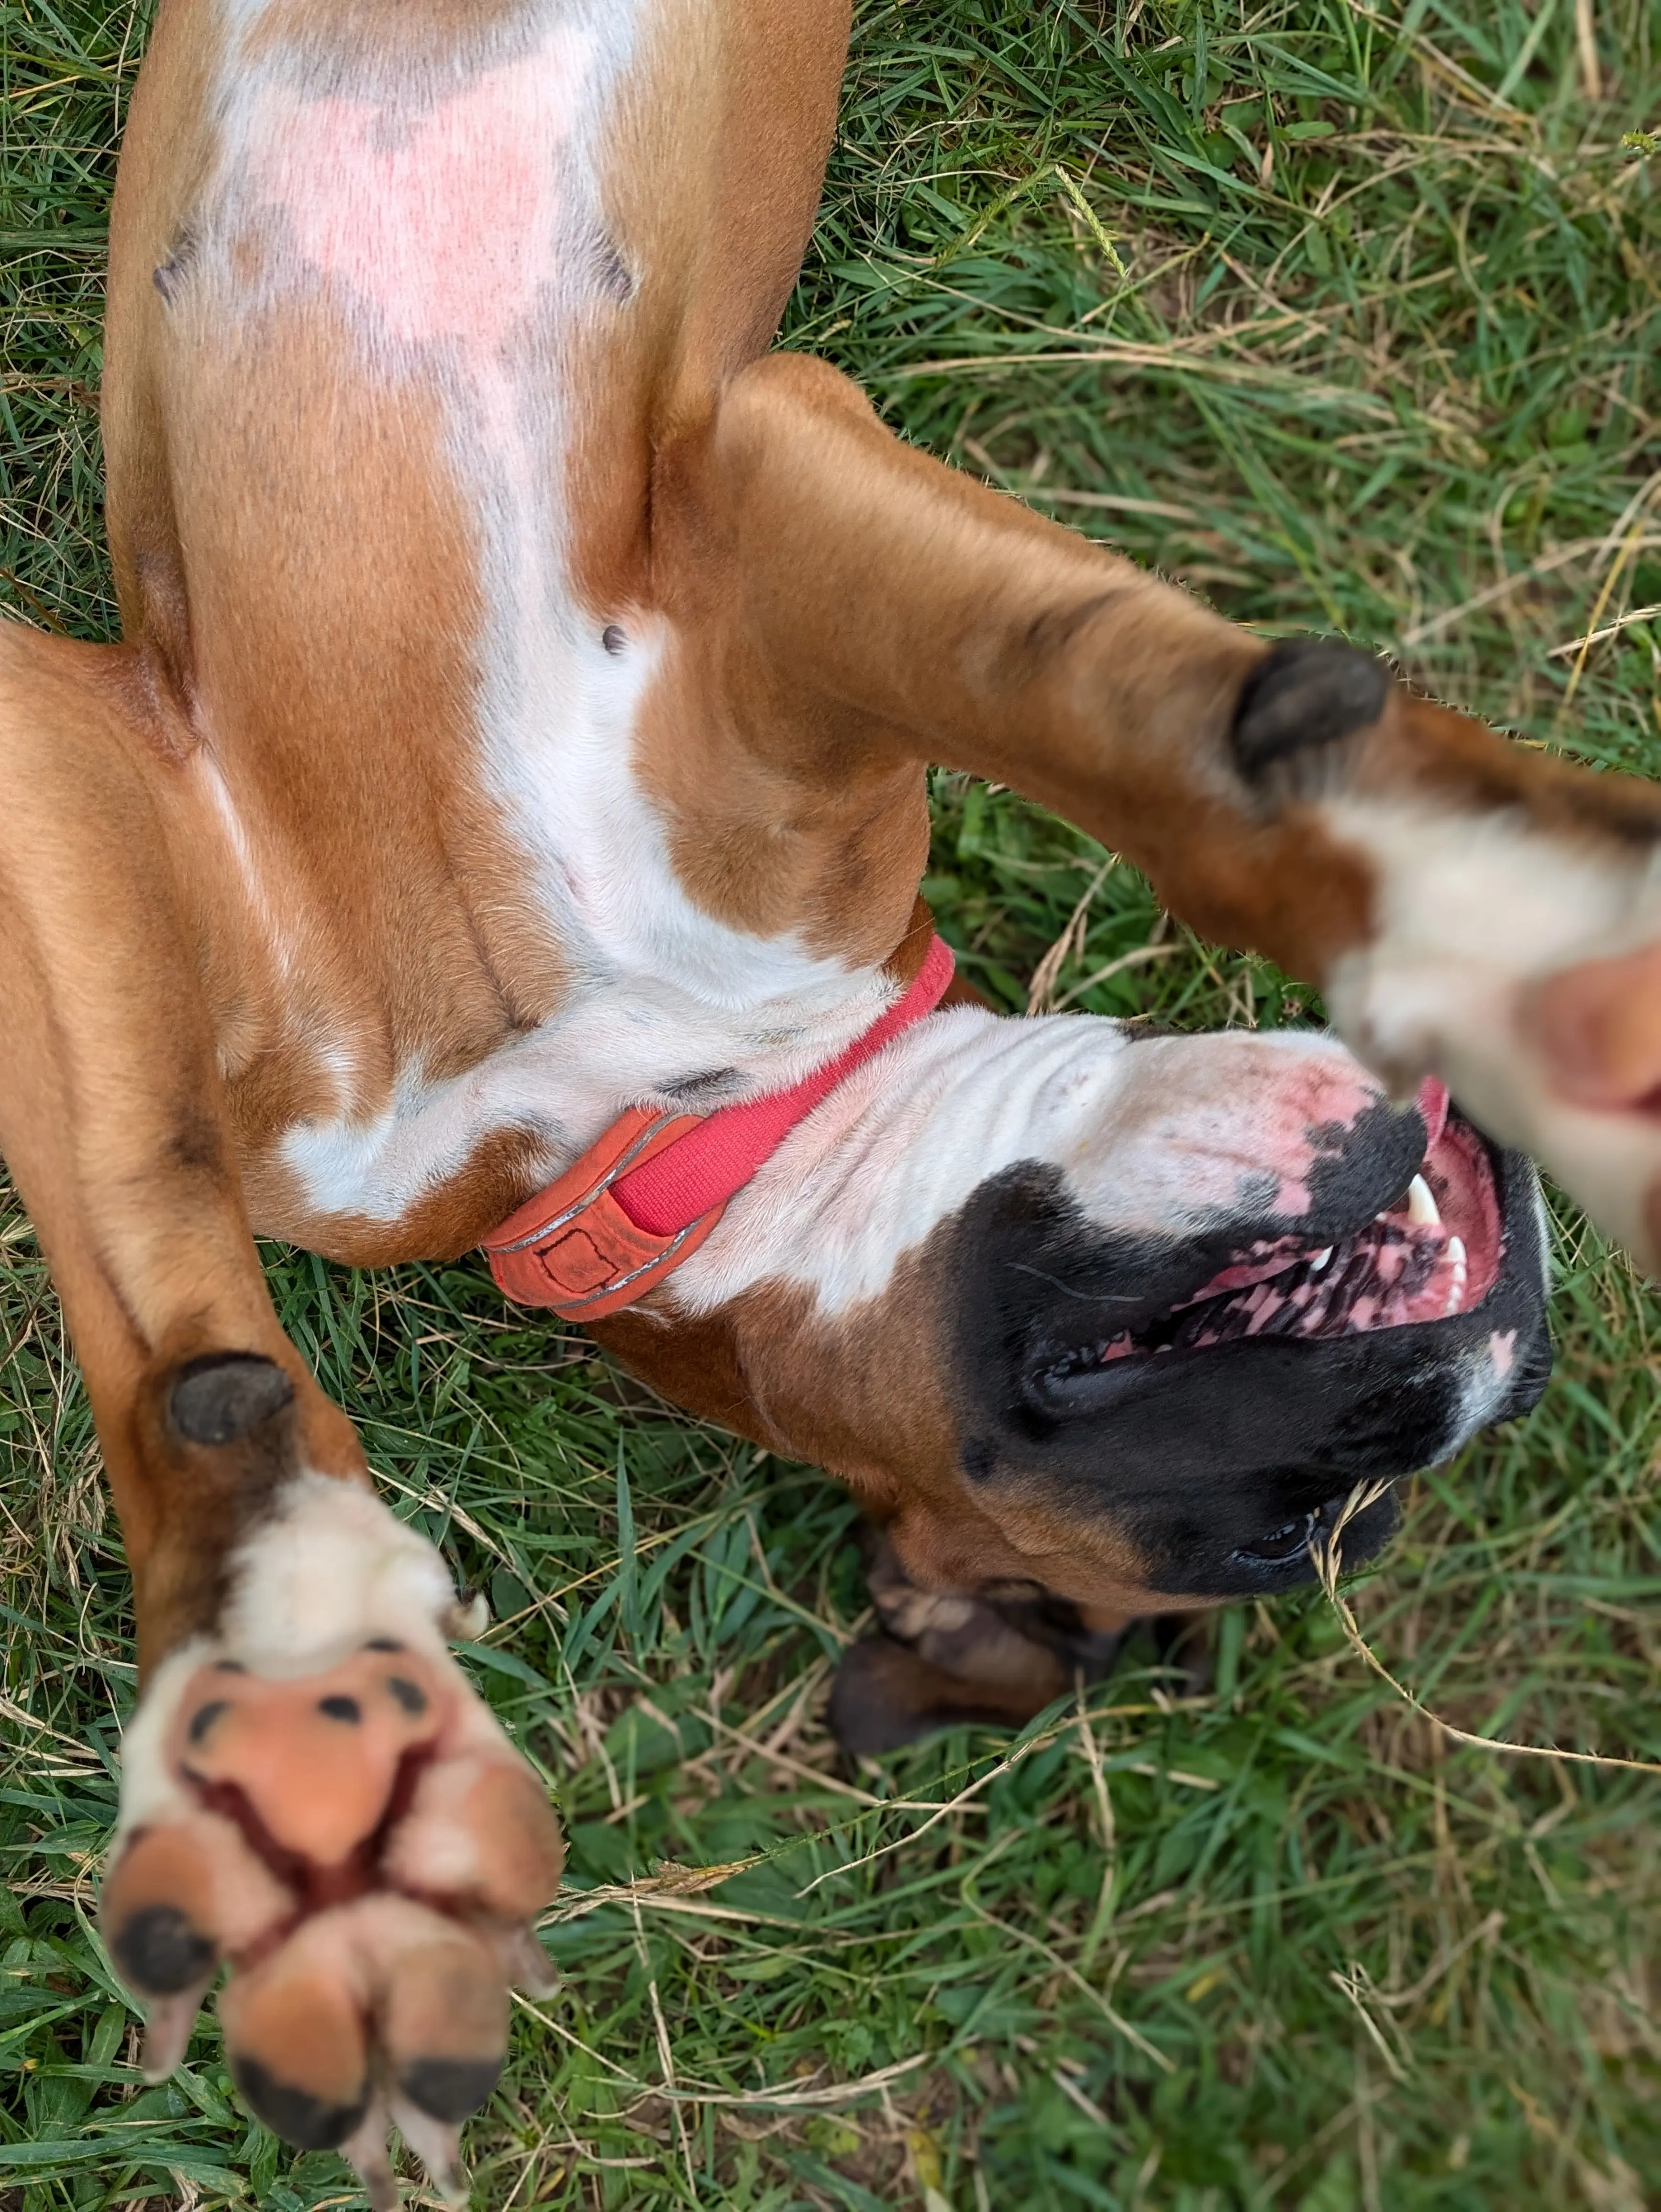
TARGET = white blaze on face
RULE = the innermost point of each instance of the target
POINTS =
(1156, 1136)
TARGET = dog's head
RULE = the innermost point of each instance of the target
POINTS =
(1119, 1317)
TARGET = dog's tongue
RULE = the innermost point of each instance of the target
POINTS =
(1433, 1104)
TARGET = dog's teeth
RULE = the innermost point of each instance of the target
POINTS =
(1458, 1278)
(1421, 1207)
(1320, 1261)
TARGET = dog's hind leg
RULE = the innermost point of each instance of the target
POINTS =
(864, 605)
(311, 1792)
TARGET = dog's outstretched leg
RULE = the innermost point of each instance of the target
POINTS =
(312, 1793)
(867, 606)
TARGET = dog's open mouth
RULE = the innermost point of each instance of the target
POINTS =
(1431, 1254)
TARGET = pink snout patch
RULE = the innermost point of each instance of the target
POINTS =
(1297, 1095)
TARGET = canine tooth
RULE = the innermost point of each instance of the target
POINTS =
(1320, 1260)
(1421, 1207)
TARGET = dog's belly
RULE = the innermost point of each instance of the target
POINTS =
(451, 934)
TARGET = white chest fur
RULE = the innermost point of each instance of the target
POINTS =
(449, 215)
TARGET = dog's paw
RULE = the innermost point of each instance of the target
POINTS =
(316, 1800)
(1479, 871)
(1475, 910)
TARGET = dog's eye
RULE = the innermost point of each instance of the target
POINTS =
(1280, 1543)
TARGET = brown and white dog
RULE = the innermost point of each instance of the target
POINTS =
(526, 689)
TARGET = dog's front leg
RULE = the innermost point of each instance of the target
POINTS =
(870, 604)
(312, 1793)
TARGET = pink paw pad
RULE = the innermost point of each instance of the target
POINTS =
(366, 1852)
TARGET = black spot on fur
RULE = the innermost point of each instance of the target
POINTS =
(341, 1709)
(299, 2118)
(169, 276)
(226, 1394)
(979, 1456)
(1056, 627)
(1306, 693)
(198, 1144)
(615, 277)
(708, 1084)
(160, 1951)
(449, 2089)
(612, 639)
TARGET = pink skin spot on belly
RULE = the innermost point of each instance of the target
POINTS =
(1502, 1350)
(445, 218)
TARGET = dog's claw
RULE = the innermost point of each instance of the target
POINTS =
(526, 1964)
(169, 2023)
(434, 2143)
(437, 2144)
(366, 2150)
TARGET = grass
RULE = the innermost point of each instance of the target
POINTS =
(1347, 312)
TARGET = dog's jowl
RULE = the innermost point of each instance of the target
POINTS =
(501, 824)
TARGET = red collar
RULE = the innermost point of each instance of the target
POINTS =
(644, 1196)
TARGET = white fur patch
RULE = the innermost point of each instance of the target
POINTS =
(1470, 909)
(449, 205)
(332, 1567)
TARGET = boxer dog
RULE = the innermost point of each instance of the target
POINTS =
(501, 824)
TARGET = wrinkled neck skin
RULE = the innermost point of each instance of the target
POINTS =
(1155, 1136)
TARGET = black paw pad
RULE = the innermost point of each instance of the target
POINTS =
(202, 1718)
(1307, 693)
(160, 1953)
(225, 1396)
(449, 2089)
(308, 2122)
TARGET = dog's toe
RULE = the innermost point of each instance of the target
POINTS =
(182, 1896)
(296, 2033)
(481, 1834)
(444, 2020)
(383, 1991)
